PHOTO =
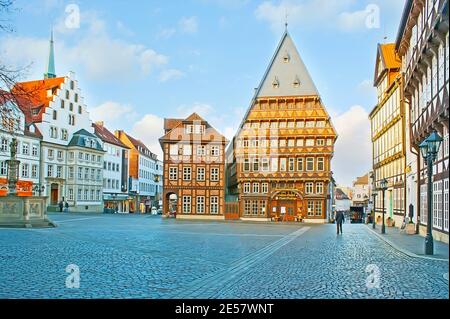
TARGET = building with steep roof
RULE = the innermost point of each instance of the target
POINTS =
(194, 169)
(115, 170)
(145, 175)
(388, 135)
(279, 162)
(361, 191)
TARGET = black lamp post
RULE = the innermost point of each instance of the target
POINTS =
(374, 208)
(39, 189)
(383, 188)
(429, 149)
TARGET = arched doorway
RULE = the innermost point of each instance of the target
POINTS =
(171, 204)
(287, 205)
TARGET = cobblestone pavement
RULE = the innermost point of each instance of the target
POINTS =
(128, 256)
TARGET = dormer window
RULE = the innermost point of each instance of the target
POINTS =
(276, 83)
(296, 82)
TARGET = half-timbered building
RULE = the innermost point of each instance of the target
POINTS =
(279, 162)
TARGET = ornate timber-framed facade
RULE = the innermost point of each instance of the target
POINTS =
(388, 134)
(423, 45)
(279, 162)
(194, 169)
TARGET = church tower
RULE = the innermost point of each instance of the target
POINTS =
(279, 162)
(51, 73)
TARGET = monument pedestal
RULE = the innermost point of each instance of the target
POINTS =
(24, 212)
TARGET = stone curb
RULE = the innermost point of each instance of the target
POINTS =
(404, 251)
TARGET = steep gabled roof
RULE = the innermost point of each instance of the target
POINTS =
(107, 136)
(362, 180)
(340, 195)
(137, 144)
(389, 58)
(178, 132)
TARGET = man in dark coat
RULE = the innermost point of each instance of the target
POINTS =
(340, 218)
(61, 206)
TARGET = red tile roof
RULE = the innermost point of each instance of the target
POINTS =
(106, 136)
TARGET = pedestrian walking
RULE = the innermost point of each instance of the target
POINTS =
(66, 207)
(61, 205)
(340, 218)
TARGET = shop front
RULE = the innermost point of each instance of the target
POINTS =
(116, 203)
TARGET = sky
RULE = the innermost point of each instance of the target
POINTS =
(138, 64)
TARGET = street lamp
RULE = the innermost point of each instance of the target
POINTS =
(383, 188)
(429, 149)
(39, 189)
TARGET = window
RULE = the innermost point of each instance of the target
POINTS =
(80, 173)
(64, 135)
(256, 165)
(291, 164)
(25, 148)
(310, 164)
(246, 166)
(186, 204)
(214, 204)
(321, 142)
(49, 170)
(310, 208)
(34, 171)
(319, 188)
(80, 109)
(25, 170)
(59, 171)
(274, 165)
(173, 173)
(201, 150)
(71, 172)
(318, 207)
(320, 164)
(80, 155)
(215, 174)
(256, 188)
(67, 94)
(70, 193)
(200, 173)
(300, 164)
(283, 164)
(265, 164)
(187, 172)
(265, 188)
(60, 155)
(72, 85)
(50, 154)
(86, 173)
(71, 119)
(200, 204)
(79, 194)
(71, 107)
(55, 115)
(309, 188)
(34, 150)
(3, 168)
(215, 151)
(53, 132)
(5, 145)
(246, 188)
(247, 207)
(62, 104)
(187, 150)
(309, 142)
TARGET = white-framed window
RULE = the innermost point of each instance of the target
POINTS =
(59, 155)
(214, 174)
(3, 168)
(25, 170)
(255, 165)
(71, 172)
(274, 164)
(187, 150)
(246, 165)
(256, 188)
(214, 204)
(70, 194)
(187, 200)
(201, 150)
(445, 205)
(59, 171)
(291, 164)
(319, 188)
(310, 164)
(247, 207)
(300, 164)
(246, 188)
(310, 208)
(173, 149)
(34, 171)
(64, 134)
(49, 170)
(200, 173)
(173, 173)
(79, 196)
(200, 204)
(25, 148)
(5, 145)
(80, 173)
(187, 173)
(265, 188)
(437, 204)
(320, 142)
(283, 164)
(309, 188)
(50, 153)
(309, 142)
(215, 150)
(318, 208)
(320, 164)
(265, 164)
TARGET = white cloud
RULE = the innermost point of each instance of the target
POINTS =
(149, 129)
(166, 33)
(171, 74)
(353, 148)
(188, 24)
(113, 114)
(96, 53)
(202, 109)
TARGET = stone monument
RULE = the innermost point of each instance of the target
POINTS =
(21, 211)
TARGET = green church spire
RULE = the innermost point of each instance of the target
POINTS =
(50, 74)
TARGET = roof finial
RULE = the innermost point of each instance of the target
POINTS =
(50, 74)
(286, 20)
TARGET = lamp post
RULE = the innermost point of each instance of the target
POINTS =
(374, 208)
(39, 189)
(383, 188)
(429, 149)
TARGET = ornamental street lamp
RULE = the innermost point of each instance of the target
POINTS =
(374, 208)
(383, 188)
(429, 149)
(39, 189)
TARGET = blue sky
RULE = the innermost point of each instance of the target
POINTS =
(139, 63)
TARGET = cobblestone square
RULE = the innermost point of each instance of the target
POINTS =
(129, 256)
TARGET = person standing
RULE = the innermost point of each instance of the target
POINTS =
(66, 207)
(61, 205)
(340, 218)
